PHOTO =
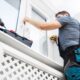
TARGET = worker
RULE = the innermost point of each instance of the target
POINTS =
(69, 34)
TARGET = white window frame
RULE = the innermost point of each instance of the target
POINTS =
(39, 11)
(43, 16)
(22, 14)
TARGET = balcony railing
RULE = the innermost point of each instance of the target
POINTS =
(19, 62)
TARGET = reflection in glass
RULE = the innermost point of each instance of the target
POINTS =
(9, 10)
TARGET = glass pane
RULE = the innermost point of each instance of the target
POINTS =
(9, 10)
(40, 39)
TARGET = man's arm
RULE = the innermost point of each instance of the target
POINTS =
(43, 25)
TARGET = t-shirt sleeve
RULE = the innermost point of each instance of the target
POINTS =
(64, 20)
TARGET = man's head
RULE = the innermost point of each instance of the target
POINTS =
(62, 13)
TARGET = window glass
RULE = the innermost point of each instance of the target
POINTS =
(38, 36)
(9, 10)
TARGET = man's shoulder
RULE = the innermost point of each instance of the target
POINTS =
(64, 20)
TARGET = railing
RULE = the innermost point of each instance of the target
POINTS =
(19, 62)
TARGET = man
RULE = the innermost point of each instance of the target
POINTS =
(69, 33)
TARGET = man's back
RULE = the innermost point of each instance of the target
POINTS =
(69, 33)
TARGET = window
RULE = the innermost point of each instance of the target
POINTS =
(9, 10)
(40, 39)
(36, 15)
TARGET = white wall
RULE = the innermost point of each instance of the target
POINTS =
(73, 6)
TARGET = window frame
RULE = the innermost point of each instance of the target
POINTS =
(45, 18)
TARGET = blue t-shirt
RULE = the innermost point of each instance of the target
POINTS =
(69, 33)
